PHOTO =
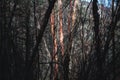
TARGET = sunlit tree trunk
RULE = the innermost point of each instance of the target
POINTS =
(74, 11)
(54, 69)
(61, 36)
(69, 17)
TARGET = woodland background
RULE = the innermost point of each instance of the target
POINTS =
(59, 40)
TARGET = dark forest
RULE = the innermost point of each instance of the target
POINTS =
(59, 39)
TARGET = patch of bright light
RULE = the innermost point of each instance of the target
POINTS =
(106, 3)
